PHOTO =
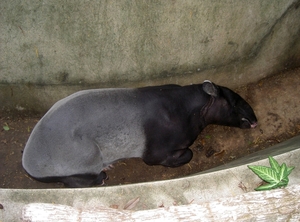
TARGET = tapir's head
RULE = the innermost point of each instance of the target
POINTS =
(228, 108)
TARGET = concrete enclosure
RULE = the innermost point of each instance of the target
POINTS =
(50, 49)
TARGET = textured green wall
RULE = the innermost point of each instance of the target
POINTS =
(52, 48)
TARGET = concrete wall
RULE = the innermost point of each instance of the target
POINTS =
(50, 49)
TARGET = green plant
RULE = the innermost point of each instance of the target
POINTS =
(6, 127)
(276, 176)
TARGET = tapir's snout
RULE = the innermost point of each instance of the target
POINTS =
(249, 123)
(253, 125)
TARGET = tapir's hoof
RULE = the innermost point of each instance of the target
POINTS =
(103, 179)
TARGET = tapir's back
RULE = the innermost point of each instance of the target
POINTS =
(85, 132)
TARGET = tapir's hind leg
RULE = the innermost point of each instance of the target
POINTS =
(84, 180)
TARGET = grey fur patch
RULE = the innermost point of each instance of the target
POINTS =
(82, 130)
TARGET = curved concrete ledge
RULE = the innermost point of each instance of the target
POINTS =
(224, 181)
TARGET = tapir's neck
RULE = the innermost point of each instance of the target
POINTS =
(199, 105)
(204, 117)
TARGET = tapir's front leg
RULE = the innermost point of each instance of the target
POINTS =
(178, 158)
(173, 158)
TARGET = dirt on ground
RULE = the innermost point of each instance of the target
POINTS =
(275, 101)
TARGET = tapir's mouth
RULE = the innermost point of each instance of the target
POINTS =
(252, 125)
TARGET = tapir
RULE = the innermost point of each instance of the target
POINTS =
(79, 138)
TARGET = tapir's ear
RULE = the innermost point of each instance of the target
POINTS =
(210, 88)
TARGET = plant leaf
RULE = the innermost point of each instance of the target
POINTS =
(6, 127)
(276, 175)
(274, 164)
(289, 170)
(266, 187)
(266, 173)
(283, 183)
(283, 172)
(285, 180)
